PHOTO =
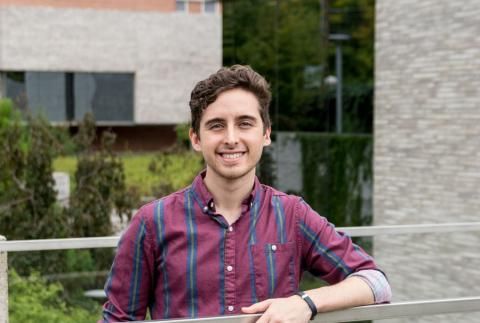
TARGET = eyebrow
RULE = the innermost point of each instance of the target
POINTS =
(221, 120)
(214, 120)
(247, 117)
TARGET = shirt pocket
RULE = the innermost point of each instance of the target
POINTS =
(274, 270)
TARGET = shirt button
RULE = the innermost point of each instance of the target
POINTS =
(230, 228)
(274, 247)
(230, 308)
(229, 268)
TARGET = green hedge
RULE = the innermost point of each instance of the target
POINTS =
(337, 170)
(33, 299)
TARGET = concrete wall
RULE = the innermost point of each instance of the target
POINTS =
(168, 52)
(427, 146)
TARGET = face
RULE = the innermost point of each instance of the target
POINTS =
(232, 135)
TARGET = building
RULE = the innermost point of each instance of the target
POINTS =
(427, 144)
(132, 63)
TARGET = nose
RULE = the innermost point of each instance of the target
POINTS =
(231, 136)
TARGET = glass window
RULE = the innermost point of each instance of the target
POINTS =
(15, 88)
(109, 96)
(46, 94)
(209, 6)
(181, 5)
(63, 96)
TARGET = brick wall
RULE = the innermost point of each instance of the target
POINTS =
(427, 146)
(167, 52)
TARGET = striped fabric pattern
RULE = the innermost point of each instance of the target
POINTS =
(191, 271)
(179, 258)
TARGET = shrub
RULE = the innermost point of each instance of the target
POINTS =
(27, 196)
(32, 299)
(100, 184)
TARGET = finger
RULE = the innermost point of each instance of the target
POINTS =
(257, 307)
(265, 318)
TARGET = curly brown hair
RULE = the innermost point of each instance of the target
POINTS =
(207, 91)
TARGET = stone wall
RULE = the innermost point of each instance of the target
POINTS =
(167, 52)
(427, 146)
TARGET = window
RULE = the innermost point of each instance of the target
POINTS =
(14, 87)
(181, 5)
(108, 96)
(209, 6)
(63, 96)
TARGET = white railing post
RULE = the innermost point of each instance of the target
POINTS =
(3, 285)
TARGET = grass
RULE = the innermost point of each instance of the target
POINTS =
(176, 169)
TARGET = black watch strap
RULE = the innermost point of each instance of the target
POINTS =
(309, 302)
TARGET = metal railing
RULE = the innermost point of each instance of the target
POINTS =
(112, 241)
(371, 312)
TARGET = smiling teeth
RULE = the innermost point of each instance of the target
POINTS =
(232, 156)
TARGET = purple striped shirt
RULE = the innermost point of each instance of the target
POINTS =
(178, 258)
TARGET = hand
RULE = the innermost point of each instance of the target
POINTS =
(292, 309)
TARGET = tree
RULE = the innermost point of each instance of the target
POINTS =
(100, 183)
(286, 41)
(28, 207)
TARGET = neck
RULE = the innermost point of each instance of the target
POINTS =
(228, 194)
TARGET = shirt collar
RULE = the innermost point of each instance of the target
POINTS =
(200, 189)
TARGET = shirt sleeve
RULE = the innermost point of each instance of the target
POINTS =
(327, 253)
(128, 287)
(378, 283)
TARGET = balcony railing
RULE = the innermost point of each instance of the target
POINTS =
(371, 312)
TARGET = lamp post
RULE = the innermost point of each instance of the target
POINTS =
(338, 39)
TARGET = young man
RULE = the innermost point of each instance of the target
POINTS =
(228, 244)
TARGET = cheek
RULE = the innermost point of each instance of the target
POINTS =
(209, 145)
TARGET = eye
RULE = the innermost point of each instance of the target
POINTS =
(215, 126)
(246, 124)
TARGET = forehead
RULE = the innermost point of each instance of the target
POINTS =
(233, 104)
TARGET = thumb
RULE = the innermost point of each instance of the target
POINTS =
(257, 307)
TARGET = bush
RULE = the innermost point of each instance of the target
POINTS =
(32, 299)
(337, 169)
(183, 138)
(28, 207)
(173, 171)
(99, 188)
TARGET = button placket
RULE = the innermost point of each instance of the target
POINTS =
(229, 263)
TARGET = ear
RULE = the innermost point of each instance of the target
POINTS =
(267, 140)
(195, 140)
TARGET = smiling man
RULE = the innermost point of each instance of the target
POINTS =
(228, 244)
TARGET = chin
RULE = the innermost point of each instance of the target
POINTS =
(233, 174)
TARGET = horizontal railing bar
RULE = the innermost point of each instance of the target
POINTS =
(58, 244)
(368, 231)
(371, 312)
(404, 309)
(106, 242)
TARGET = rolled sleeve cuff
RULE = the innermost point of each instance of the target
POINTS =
(378, 283)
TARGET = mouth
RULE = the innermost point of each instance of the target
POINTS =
(231, 156)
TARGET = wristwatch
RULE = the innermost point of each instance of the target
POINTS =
(309, 302)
